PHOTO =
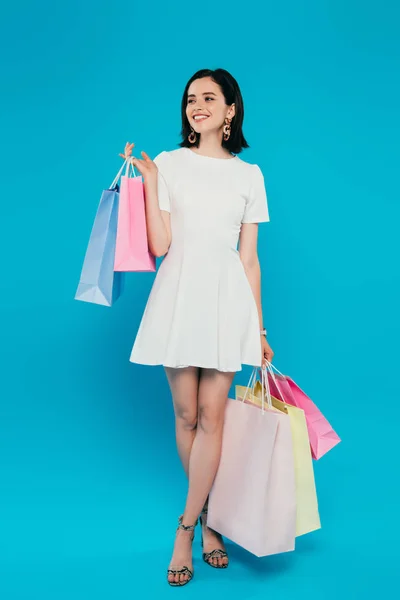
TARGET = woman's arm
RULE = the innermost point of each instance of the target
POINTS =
(249, 257)
(158, 221)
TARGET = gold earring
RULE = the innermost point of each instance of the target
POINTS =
(192, 137)
(227, 129)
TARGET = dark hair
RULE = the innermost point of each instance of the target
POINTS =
(231, 91)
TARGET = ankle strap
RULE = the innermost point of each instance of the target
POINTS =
(185, 527)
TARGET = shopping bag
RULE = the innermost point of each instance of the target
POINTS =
(307, 514)
(252, 501)
(132, 251)
(320, 432)
(98, 283)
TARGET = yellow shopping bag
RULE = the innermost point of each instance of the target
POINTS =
(307, 516)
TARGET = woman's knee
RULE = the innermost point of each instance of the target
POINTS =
(211, 418)
(213, 396)
(184, 384)
(186, 418)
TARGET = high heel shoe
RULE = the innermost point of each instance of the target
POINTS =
(182, 570)
(217, 553)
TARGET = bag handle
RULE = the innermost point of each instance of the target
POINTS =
(270, 368)
(117, 176)
(128, 163)
(250, 384)
(264, 385)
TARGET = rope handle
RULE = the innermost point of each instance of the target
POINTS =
(270, 368)
(264, 385)
(117, 176)
(128, 163)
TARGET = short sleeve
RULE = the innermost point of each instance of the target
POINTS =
(161, 161)
(256, 210)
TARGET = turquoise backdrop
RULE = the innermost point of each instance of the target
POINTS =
(90, 481)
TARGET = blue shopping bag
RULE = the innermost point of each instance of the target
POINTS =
(98, 283)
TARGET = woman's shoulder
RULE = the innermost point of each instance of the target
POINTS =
(169, 163)
(249, 170)
(168, 155)
(248, 166)
(166, 160)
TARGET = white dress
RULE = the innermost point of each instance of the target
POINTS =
(201, 310)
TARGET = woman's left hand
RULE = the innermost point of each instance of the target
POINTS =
(267, 353)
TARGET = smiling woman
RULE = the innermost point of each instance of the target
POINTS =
(203, 318)
(216, 96)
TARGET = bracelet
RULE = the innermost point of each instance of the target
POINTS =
(263, 332)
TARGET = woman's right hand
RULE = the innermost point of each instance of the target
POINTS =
(147, 168)
(127, 151)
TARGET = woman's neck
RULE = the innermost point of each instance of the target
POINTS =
(211, 148)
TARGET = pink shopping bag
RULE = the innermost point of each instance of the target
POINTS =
(132, 250)
(253, 498)
(321, 434)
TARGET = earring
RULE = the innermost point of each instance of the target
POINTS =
(227, 129)
(192, 137)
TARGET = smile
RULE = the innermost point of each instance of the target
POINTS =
(200, 118)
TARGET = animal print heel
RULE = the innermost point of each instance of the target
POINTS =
(184, 570)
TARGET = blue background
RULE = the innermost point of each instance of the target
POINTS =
(90, 481)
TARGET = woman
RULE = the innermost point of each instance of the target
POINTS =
(203, 318)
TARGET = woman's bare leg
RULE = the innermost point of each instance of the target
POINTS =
(212, 394)
(184, 385)
(206, 450)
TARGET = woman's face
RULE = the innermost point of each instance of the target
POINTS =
(206, 109)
